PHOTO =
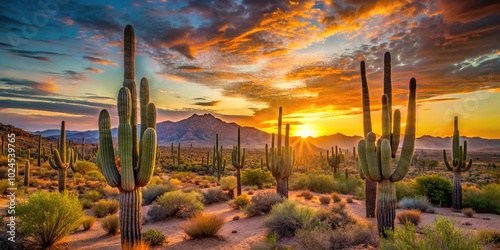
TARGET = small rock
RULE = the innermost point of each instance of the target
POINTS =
(234, 231)
(236, 217)
(486, 219)
(467, 224)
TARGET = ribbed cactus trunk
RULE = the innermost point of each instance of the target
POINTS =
(62, 159)
(83, 148)
(456, 201)
(26, 171)
(238, 161)
(370, 198)
(137, 158)
(386, 205)
(39, 159)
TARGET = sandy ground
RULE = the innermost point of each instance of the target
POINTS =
(249, 230)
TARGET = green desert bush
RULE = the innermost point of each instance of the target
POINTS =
(484, 200)
(92, 195)
(346, 186)
(405, 188)
(335, 217)
(336, 197)
(49, 217)
(153, 237)
(324, 183)
(176, 203)
(4, 184)
(262, 203)
(307, 195)
(87, 204)
(240, 202)
(489, 236)
(435, 187)
(96, 175)
(84, 167)
(214, 195)
(104, 208)
(153, 191)
(420, 203)
(203, 225)
(111, 224)
(412, 216)
(287, 217)
(88, 222)
(256, 177)
(442, 235)
(228, 183)
(468, 212)
(325, 199)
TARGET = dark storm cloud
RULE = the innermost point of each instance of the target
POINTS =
(49, 106)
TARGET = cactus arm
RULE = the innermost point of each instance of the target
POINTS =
(363, 163)
(125, 140)
(371, 158)
(148, 153)
(243, 158)
(367, 121)
(58, 161)
(386, 118)
(409, 139)
(152, 116)
(388, 83)
(72, 161)
(143, 103)
(129, 52)
(106, 154)
(52, 163)
(396, 132)
(446, 161)
(385, 158)
(468, 165)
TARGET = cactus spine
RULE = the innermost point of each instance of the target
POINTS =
(39, 158)
(459, 157)
(218, 163)
(280, 160)
(238, 160)
(62, 159)
(136, 166)
(26, 170)
(375, 161)
(335, 160)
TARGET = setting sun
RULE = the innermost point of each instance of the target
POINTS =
(306, 130)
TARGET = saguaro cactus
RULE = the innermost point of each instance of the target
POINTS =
(459, 157)
(218, 163)
(335, 160)
(238, 160)
(376, 162)
(27, 170)
(62, 159)
(136, 162)
(83, 149)
(280, 160)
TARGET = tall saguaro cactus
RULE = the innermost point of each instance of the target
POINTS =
(137, 162)
(62, 159)
(238, 160)
(39, 158)
(83, 148)
(218, 163)
(376, 161)
(280, 160)
(335, 160)
(459, 157)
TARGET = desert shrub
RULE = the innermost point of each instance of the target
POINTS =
(111, 191)
(103, 208)
(287, 217)
(49, 217)
(240, 202)
(153, 237)
(4, 184)
(412, 216)
(152, 192)
(262, 203)
(256, 177)
(320, 183)
(95, 175)
(346, 186)
(87, 204)
(88, 222)
(442, 235)
(405, 188)
(325, 199)
(336, 197)
(174, 182)
(349, 199)
(489, 236)
(228, 183)
(213, 195)
(420, 203)
(155, 180)
(84, 167)
(307, 195)
(203, 225)
(111, 224)
(468, 212)
(335, 217)
(484, 200)
(176, 203)
(435, 187)
(360, 193)
(92, 195)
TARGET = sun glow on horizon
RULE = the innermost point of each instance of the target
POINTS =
(306, 130)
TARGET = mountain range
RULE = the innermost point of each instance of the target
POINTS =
(200, 131)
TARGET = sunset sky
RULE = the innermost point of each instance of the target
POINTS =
(242, 59)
